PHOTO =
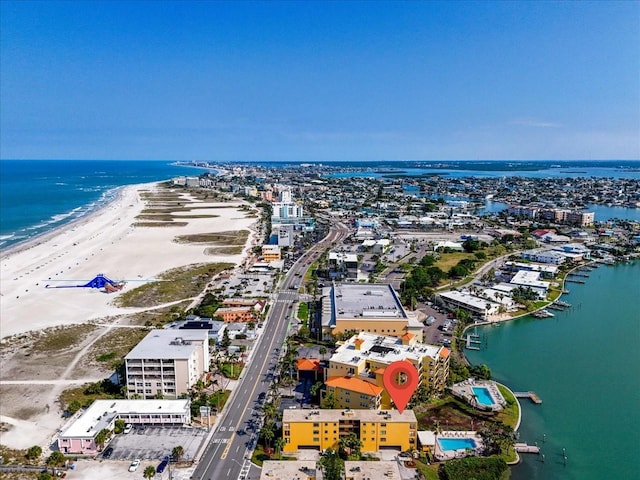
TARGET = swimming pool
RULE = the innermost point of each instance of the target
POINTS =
(483, 396)
(448, 444)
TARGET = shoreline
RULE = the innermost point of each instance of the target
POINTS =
(30, 242)
(104, 242)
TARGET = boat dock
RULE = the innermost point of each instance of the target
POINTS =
(472, 342)
(525, 448)
(533, 396)
(542, 314)
(574, 280)
(578, 274)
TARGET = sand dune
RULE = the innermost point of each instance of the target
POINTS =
(107, 243)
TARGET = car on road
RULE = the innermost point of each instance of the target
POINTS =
(134, 465)
(163, 464)
(262, 396)
(107, 452)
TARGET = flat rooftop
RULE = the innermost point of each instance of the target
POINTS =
(102, 412)
(372, 470)
(335, 415)
(168, 344)
(382, 349)
(467, 298)
(368, 301)
(530, 279)
(284, 470)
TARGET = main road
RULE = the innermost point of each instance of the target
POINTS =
(227, 456)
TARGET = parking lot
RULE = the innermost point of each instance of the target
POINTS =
(153, 443)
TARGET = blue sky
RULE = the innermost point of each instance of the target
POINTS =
(320, 81)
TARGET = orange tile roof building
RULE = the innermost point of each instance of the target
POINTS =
(237, 314)
(352, 392)
(365, 357)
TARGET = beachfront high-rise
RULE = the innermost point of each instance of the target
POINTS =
(166, 363)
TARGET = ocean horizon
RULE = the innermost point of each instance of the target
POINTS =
(38, 196)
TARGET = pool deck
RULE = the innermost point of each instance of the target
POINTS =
(464, 390)
(442, 455)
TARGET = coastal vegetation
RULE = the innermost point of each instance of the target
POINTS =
(173, 285)
(112, 347)
(476, 468)
(228, 238)
(60, 338)
(158, 317)
(160, 224)
(234, 250)
(73, 399)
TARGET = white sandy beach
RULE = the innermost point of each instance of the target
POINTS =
(105, 243)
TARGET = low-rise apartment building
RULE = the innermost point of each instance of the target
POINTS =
(237, 314)
(271, 253)
(366, 308)
(352, 392)
(322, 429)
(365, 357)
(79, 437)
(167, 363)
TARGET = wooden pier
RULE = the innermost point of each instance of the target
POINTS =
(472, 342)
(573, 280)
(524, 448)
(578, 274)
(533, 396)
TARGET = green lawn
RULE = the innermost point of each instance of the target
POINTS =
(303, 311)
(232, 371)
(448, 260)
(509, 416)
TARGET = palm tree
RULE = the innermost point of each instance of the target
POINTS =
(232, 358)
(270, 412)
(350, 445)
(149, 472)
(315, 389)
(177, 453)
(102, 437)
(268, 433)
(323, 351)
(278, 444)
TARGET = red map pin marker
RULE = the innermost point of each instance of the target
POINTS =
(401, 380)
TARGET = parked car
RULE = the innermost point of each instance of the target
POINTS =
(107, 452)
(163, 464)
(128, 427)
(134, 465)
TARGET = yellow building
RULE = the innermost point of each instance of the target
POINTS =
(322, 429)
(352, 392)
(365, 357)
(271, 253)
(367, 308)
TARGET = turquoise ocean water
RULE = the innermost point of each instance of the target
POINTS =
(37, 196)
(585, 365)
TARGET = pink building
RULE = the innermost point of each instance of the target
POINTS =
(79, 436)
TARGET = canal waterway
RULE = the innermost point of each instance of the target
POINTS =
(585, 365)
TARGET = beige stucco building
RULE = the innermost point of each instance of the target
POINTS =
(167, 363)
(365, 357)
